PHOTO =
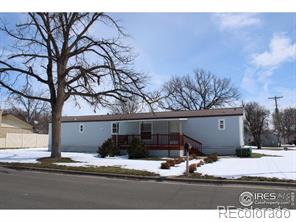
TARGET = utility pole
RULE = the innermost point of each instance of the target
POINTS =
(276, 98)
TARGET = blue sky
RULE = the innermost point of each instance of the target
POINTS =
(257, 51)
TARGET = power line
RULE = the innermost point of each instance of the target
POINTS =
(276, 98)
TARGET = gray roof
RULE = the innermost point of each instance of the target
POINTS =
(156, 115)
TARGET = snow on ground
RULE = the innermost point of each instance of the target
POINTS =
(22, 155)
(281, 165)
(91, 159)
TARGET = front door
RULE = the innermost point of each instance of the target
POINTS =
(146, 131)
(173, 132)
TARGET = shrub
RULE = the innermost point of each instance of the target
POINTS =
(178, 161)
(211, 158)
(192, 168)
(243, 152)
(136, 149)
(171, 162)
(208, 160)
(200, 163)
(193, 156)
(108, 148)
(165, 165)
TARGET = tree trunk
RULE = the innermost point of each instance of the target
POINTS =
(56, 132)
(259, 146)
(258, 143)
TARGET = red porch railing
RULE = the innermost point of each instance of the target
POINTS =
(196, 145)
(172, 141)
(151, 141)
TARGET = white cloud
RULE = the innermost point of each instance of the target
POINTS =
(256, 80)
(257, 77)
(249, 81)
(281, 49)
(237, 20)
(288, 100)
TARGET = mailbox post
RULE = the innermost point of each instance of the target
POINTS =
(187, 148)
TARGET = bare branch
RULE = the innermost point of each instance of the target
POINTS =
(203, 91)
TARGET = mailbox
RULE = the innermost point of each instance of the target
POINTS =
(187, 147)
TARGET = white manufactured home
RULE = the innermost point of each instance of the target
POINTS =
(163, 133)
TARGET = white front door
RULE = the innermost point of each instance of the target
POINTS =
(146, 130)
(173, 132)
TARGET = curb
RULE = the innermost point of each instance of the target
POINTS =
(231, 181)
(75, 172)
(157, 178)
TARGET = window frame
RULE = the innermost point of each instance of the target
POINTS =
(117, 128)
(151, 131)
(81, 128)
(219, 124)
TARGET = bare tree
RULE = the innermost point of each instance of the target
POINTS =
(35, 112)
(126, 106)
(28, 108)
(204, 90)
(69, 55)
(285, 123)
(256, 121)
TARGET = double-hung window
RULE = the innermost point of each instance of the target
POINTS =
(221, 124)
(81, 128)
(146, 131)
(115, 128)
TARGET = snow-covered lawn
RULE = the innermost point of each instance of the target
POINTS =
(281, 165)
(87, 159)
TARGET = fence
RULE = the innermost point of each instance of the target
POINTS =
(18, 140)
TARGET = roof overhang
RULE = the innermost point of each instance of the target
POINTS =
(151, 120)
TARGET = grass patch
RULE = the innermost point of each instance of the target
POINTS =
(247, 178)
(101, 169)
(201, 176)
(259, 155)
(270, 179)
(48, 160)
(272, 148)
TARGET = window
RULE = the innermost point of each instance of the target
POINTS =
(81, 128)
(115, 128)
(221, 124)
(146, 131)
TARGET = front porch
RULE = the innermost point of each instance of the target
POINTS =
(161, 137)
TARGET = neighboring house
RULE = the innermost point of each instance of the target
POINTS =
(268, 138)
(164, 133)
(12, 124)
(291, 139)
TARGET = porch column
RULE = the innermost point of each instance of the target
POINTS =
(180, 127)
(180, 133)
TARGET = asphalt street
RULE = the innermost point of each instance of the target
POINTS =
(39, 190)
